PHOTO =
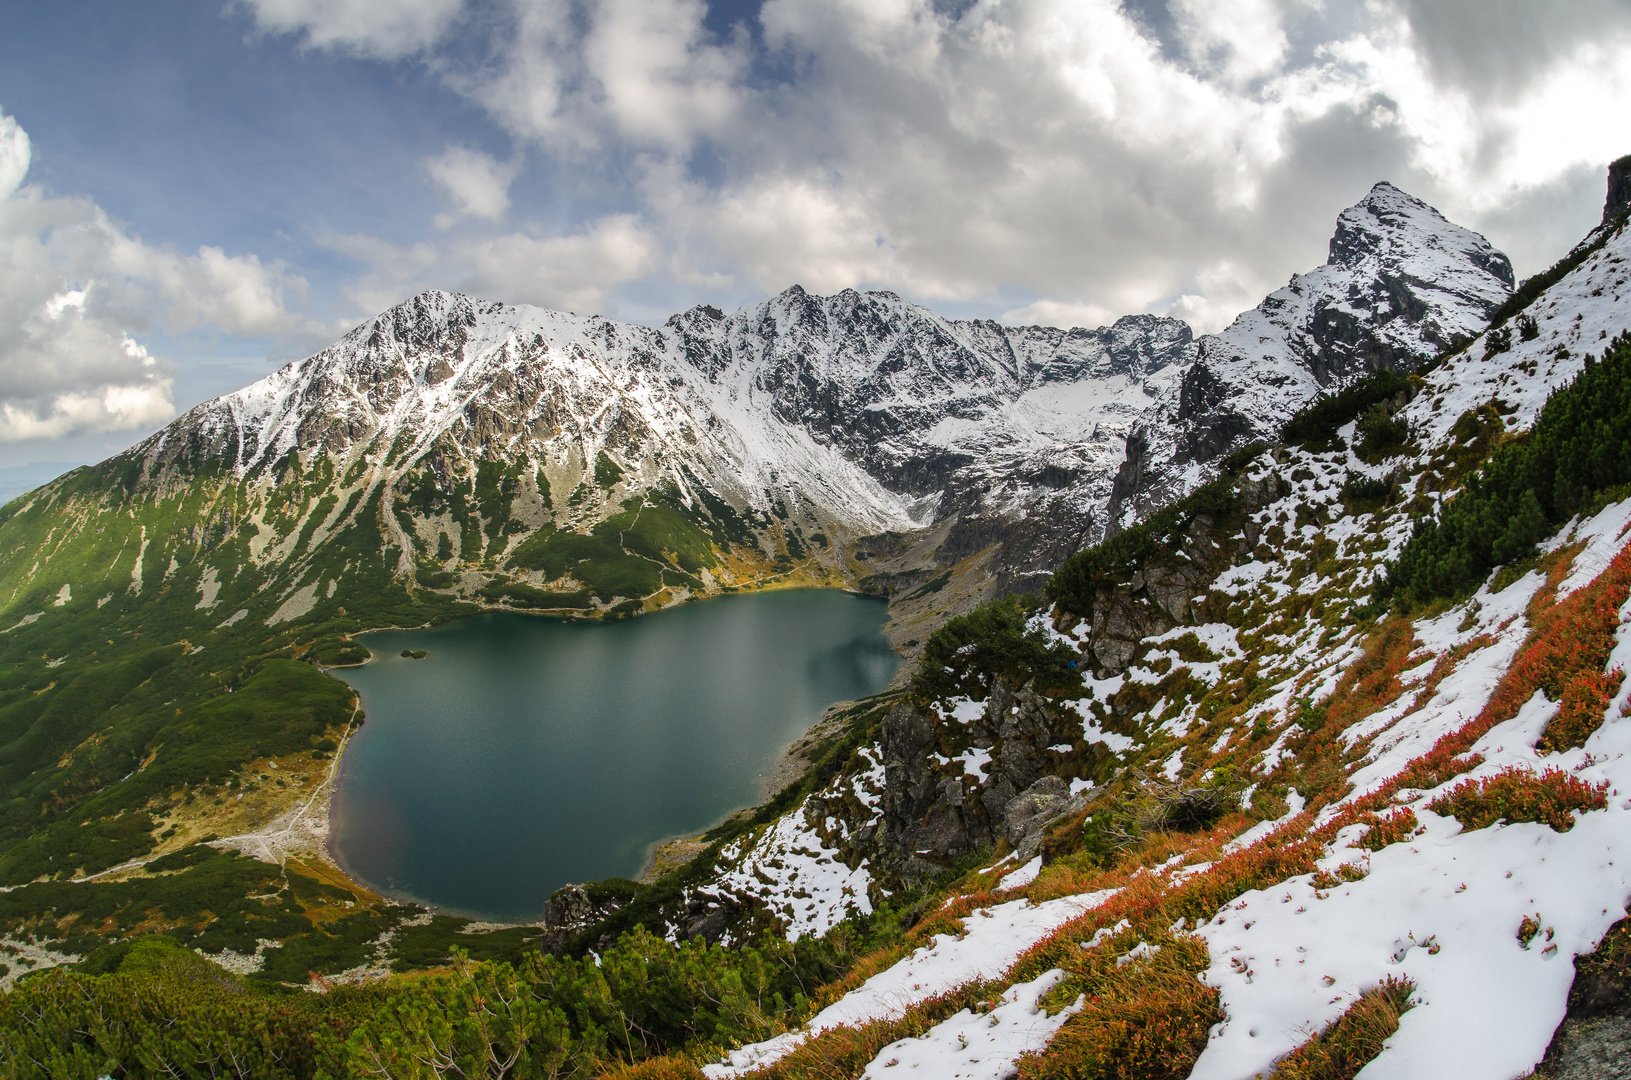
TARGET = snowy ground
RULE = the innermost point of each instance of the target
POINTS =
(1442, 908)
(992, 939)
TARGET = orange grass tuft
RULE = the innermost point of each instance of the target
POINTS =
(1147, 1020)
(1585, 701)
(1571, 638)
(1390, 828)
(663, 1068)
(1351, 1041)
(1372, 683)
(845, 1051)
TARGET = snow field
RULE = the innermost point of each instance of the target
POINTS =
(993, 939)
(810, 887)
(1443, 908)
(978, 1046)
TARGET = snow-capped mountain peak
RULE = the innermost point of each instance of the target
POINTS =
(867, 410)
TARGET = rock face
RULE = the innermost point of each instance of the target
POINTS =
(1619, 188)
(1594, 1040)
(1158, 594)
(952, 786)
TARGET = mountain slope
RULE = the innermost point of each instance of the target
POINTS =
(1300, 801)
(1402, 285)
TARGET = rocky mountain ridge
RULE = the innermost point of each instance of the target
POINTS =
(836, 416)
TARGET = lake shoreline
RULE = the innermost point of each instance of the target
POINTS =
(526, 754)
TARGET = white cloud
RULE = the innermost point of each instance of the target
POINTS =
(75, 288)
(1059, 313)
(577, 272)
(388, 29)
(14, 156)
(580, 79)
(475, 183)
(1182, 156)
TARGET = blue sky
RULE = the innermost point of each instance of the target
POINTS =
(194, 191)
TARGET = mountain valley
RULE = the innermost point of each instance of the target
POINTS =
(1258, 683)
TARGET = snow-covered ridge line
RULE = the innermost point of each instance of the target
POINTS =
(876, 412)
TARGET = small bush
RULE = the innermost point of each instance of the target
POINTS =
(1315, 426)
(1380, 433)
(996, 639)
(1516, 794)
(1146, 1020)
(1363, 495)
(1390, 829)
(435, 578)
(1586, 697)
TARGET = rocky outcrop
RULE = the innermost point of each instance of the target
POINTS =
(953, 786)
(1594, 1040)
(1619, 188)
(1159, 593)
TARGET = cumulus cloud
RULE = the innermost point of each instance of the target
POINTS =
(74, 290)
(387, 29)
(475, 184)
(579, 271)
(577, 78)
(1181, 156)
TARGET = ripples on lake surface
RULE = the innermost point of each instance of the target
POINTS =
(523, 753)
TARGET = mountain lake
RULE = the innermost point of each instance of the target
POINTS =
(523, 753)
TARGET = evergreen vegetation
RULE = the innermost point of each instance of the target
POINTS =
(1315, 426)
(1578, 453)
(1000, 639)
(159, 1010)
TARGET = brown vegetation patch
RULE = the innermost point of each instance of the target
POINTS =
(1350, 1042)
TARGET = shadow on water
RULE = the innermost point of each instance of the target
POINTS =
(521, 754)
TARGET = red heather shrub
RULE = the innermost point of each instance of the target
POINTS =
(1372, 682)
(1572, 639)
(665, 1068)
(1586, 697)
(1391, 828)
(1517, 794)
(1147, 1020)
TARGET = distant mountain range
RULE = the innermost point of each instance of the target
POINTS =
(1330, 730)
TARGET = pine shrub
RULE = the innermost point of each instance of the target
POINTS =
(1579, 450)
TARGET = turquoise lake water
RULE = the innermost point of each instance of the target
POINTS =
(522, 754)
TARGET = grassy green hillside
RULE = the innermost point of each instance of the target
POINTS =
(163, 636)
